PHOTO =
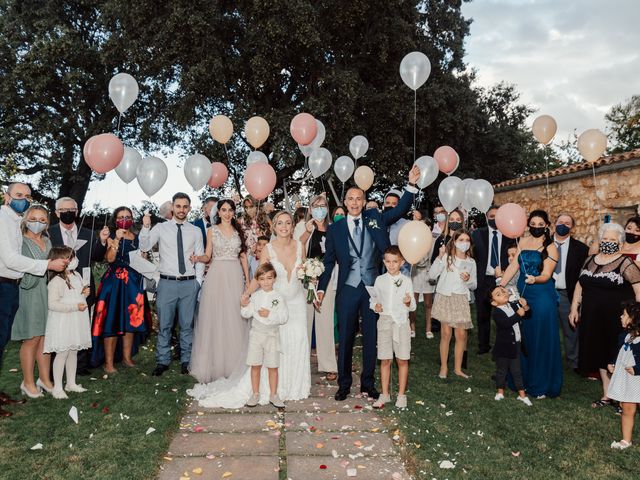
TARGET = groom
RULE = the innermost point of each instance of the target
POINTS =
(357, 243)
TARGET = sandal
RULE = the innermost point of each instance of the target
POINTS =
(603, 402)
(332, 377)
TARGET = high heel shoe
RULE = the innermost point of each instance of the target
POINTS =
(26, 392)
(40, 383)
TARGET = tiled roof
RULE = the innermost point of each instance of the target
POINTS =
(602, 161)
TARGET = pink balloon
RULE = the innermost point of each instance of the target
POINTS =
(103, 152)
(447, 159)
(303, 128)
(219, 174)
(511, 220)
(260, 180)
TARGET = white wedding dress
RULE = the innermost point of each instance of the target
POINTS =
(294, 372)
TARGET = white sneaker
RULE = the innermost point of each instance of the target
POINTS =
(430, 335)
(526, 401)
(382, 399)
(401, 401)
(75, 388)
(254, 400)
(59, 394)
(276, 402)
(498, 397)
(621, 445)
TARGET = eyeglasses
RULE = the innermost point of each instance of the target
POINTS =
(65, 210)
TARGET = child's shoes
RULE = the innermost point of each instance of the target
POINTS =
(382, 399)
(59, 394)
(254, 400)
(74, 388)
(401, 401)
(526, 401)
(498, 397)
(621, 445)
(276, 402)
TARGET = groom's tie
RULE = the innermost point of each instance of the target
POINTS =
(357, 232)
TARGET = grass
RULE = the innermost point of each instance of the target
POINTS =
(555, 439)
(110, 439)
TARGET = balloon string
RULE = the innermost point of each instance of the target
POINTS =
(342, 195)
(546, 161)
(119, 118)
(595, 189)
(81, 222)
(524, 267)
(415, 117)
(324, 188)
(93, 226)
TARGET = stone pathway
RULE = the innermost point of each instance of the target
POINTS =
(317, 438)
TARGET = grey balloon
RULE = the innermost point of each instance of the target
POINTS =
(126, 169)
(358, 146)
(255, 157)
(451, 193)
(320, 135)
(481, 195)
(415, 69)
(123, 91)
(197, 171)
(344, 168)
(152, 175)
(319, 161)
(428, 171)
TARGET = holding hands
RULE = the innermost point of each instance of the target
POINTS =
(377, 308)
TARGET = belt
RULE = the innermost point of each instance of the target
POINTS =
(15, 281)
(177, 279)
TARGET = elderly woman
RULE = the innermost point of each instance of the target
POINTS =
(314, 237)
(31, 318)
(607, 279)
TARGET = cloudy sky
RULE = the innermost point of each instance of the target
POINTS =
(571, 59)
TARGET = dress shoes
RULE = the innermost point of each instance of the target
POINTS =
(341, 395)
(371, 392)
(7, 400)
(4, 413)
(159, 370)
(482, 351)
(185, 368)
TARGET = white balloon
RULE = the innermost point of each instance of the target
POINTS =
(123, 91)
(451, 193)
(428, 171)
(415, 69)
(152, 175)
(467, 204)
(481, 195)
(344, 168)
(306, 150)
(319, 138)
(127, 167)
(358, 146)
(319, 161)
(255, 157)
(197, 170)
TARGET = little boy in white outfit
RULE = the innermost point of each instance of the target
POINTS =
(393, 300)
(268, 311)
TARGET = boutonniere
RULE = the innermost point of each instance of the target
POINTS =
(274, 303)
(373, 224)
(398, 282)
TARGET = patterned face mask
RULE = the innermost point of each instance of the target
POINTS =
(609, 248)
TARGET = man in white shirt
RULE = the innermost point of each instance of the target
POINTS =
(180, 279)
(13, 265)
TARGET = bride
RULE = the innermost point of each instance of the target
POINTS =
(294, 373)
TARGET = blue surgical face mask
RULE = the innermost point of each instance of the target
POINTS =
(337, 217)
(319, 213)
(562, 229)
(19, 205)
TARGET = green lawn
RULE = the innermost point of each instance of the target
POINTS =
(555, 439)
(110, 440)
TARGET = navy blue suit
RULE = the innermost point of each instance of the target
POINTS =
(353, 301)
(201, 223)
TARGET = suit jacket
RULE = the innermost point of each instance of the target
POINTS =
(376, 224)
(202, 225)
(505, 344)
(480, 239)
(97, 251)
(578, 253)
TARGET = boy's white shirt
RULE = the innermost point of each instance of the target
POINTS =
(508, 309)
(271, 301)
(391, 296)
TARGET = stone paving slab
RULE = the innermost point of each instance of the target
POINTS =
(307, 468)
(195, 408)
(241, 468)
(338, 421)
(355, 443)
(231, 444)
(229, 423)
(328, 404)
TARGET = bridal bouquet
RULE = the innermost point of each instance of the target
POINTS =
(308, 273)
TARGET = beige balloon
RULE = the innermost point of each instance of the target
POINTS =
(221, 128)
(414, 241)
(257, 131)
(363, 177)
(592, 143)
(544, 128)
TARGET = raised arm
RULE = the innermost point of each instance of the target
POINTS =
(148, 236)
(509, 273)
(406, 201)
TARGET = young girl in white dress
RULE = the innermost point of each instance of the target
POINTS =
(625, 381)
(68, 325)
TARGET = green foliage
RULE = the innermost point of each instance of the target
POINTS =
(624, 125)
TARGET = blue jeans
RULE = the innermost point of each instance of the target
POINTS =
(8, 309)
(176, 297)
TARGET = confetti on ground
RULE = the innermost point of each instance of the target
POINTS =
(150, 430)
(352, 472)
(37, 446)
(227, 474)
(515, 454)
(197, 471)
(446, 464)
(13, 370)
(73, 413)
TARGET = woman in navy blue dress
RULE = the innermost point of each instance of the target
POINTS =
(122, 318)
(542, 364)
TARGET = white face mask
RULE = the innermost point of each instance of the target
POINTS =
(73, 264)
(463, 246)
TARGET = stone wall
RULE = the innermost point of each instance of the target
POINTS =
(618, 194)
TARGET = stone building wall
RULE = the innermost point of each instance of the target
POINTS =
(571, 190)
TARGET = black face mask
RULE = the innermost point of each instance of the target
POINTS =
(631, 237)
(537, 232)
(68, 217)
(455, 226)
(492, 223)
